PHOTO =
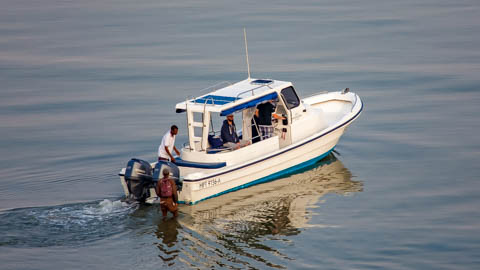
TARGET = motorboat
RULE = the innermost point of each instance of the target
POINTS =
(307, 131)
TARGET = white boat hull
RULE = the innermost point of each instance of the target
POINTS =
(264, 169)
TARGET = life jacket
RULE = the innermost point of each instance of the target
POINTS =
(166, 189)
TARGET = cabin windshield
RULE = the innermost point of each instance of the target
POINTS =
(290, 97)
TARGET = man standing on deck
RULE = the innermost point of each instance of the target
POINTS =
(168, 144)
(264, 114)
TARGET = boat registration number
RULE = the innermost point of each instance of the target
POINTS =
(209, 183)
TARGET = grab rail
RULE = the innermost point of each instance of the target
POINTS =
(206, 102)
(215, 85)
(316, 94)
(252, 90)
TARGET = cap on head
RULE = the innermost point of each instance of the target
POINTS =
(165, 172)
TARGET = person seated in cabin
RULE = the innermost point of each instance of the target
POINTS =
(264, 114)
(229, 135)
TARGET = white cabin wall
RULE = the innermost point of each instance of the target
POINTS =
(311, 122)
(236, 156)
(247, 116)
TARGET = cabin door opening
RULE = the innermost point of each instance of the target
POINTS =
(282, 126)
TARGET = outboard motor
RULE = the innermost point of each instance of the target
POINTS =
(138, 176)
(174, 172)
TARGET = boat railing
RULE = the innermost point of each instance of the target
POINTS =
(251, 90)
(188, 98)
(215, 86)
(206, 102)
(211, 88)
(316, 94)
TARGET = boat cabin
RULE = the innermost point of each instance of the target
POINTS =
(205, 115)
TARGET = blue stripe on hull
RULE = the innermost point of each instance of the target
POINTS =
(270, 177)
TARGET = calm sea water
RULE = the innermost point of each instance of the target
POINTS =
(86, 85)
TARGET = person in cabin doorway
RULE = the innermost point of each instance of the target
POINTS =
(229, 135)
(167, 191)
(264, 114)
(168, 145)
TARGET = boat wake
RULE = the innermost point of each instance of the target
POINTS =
(62, 225)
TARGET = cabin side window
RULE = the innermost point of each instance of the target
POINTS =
(290, 97)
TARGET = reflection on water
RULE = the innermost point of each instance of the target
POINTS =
(167, 231)
(291, 196)
(250, 226)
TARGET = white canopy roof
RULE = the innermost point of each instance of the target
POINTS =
(232, 97)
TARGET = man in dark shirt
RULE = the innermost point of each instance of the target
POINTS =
(229, 134)
(264, 113)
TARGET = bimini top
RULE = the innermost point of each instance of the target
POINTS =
(235, 97)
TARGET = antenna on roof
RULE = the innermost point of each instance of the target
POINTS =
(246, 50)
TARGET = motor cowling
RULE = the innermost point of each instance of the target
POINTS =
(174, 172)
(138, 176)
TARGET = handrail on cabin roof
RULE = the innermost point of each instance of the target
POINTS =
(253, 89)
(213, 87)
(217, 84)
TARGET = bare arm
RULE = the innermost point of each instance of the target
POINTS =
(176, 150)
(168, 152)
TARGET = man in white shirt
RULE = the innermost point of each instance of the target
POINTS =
(167, 145)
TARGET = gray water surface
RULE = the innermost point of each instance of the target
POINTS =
(86, 85)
